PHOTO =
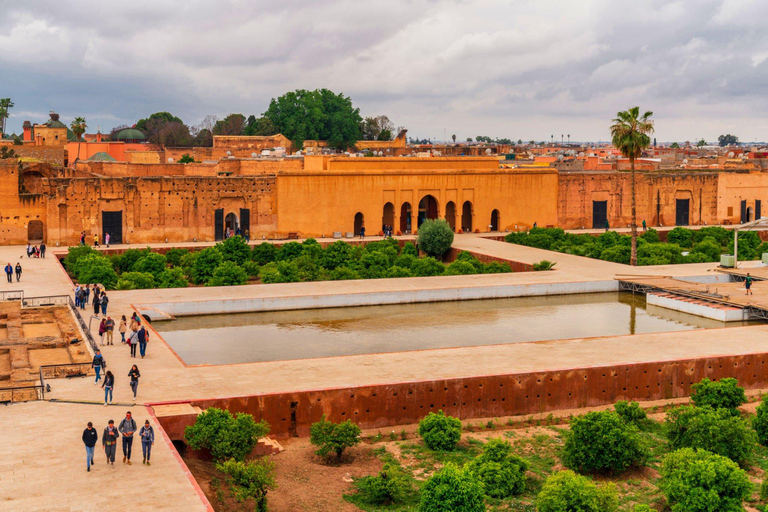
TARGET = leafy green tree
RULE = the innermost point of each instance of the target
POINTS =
(651, 236)
(435, 237)
(144, 124)
(630, 411)
(332, 437)
(410, 249)
(125, 262)
(224, 435)
(749, 241)
(344, 274)
(700, 481)
(173, 256)
(251, 268)
(714, 430)
(316, 115)
(264, 253)
(251, 479)
(228, 273)
(205, 262)
(233, 124)
(728, 140)
(234, 249)
(74, 254)
(152, 263)
(336, 255)
(289, 251)
(95, 268)
(312, 249)
(440, 432)
(709, 248)
(501, 472)
(5, 105)
(721, 235)
(260, 126)
(760, 422)
(186, 158)
(565, 491)
(389, 487)
(395, 271)
(723, 394)
(460, 268)
(680, 236)
(172, 278)
(630, 134)
(78, 127)
(424, 267)
(452, 490)
(496, 267)
(617, 254)
(603, 442)
(135, 281)
(675, 145)
(701, 143)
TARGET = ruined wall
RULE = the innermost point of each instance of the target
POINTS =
(489, 396)
(18, 208)
(51, 154)
(179, 209)
(737, 187)
(655, 192)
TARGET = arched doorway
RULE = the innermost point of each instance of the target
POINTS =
(388, 217)
(466, 217)
(35, 231)
(405, 218)
(427, 209)
(495, 220)
(359, 219)
(450, 214)
(230, 221)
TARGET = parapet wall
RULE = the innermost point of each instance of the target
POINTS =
(389, 405)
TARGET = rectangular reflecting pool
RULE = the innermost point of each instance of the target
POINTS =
(304, 334)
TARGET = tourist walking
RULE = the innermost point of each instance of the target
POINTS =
(96, 302)
(247, 235)
(95, 239)
(109, 442)
(83, 295)
(97, 364)
(143, 337)
(106, 239)
(645, 226)
(102, 330)
(42, 249)
(87, 293)
(30, 251)
(104, 300)
(18, 271)
(109, 386)
(127, 427)
(607, 226)
(748, 284)
(96, 291)
(90, 436)
(82, 238)
(77, 296)
(122, 328)
(134, 375)
(362, 232)
(9, 272)
(147, 434)
(110, 330)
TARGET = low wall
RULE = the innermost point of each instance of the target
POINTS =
(384, 406)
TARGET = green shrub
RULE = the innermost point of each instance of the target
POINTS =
(289, 251)
(336, 255)
(95, 268)
(440, 432)
(344, 273)
(631, 412)
(680, 236)
(224, 435)
(539, 241)
(700, 481)
(659, 254)
(332, 437)
(764, 490)
(188, 261)
(602, 442)
(496, 267)
(124, 262)
(390, 486)
(410, 250)
(135, 281)
(74, 254)
(234, 249)
(428, 266)
(228, 273)
(251, 479)
(723, 394)
(470, 258)
(642, 508)
(760, 422)
(709, 248)
(565, 491)
(186, 159)
(264, 253)
(544, 265)
(721, 236)
(435, 237)
(251, 268)
(405, 261)
(152, 263)
(749, 241)
(172, 278)
(174, 256)
(617, 254)
(312, 249)
(714, 430)
(396, 271)
(452, 490)
(501, 472)
(205, 262)
(651, 236)
(460, 268)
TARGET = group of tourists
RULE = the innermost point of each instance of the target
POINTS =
(83, 297)
(34, 251)
(95, 239)
(387, 230)
(138, 337)
(9, 269)
(229, 233)
(126, 429)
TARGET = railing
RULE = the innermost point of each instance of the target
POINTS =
(50, 300)
(22, 394)
(57, 371)
(80, 320)
(12, 295)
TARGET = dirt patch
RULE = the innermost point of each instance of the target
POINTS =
(304, 480)
(40, 330)
(42, 356)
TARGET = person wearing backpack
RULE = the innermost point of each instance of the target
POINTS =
(109, 442)
(147, 435)
(97, 364)
(127, 427)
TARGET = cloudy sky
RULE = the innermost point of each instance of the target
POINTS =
(517, 69)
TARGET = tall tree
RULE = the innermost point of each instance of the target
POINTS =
(260, 126)
(454, 138)
(728, 140)
(316, 115)
(233, 124)
(78, 127)
(377, 128)
(701, 143)
(157, 116)
(5, 105)
(630, 134)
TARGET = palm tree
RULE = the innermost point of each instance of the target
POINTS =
(629, 134)
(78, 127)
(5, 105)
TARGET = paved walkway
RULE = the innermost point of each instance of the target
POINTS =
(41, 454)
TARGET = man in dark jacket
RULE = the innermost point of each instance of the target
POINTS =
(18, 272)
(147, 435)
(42, 249)
(97, 364)
(90, 436)
(127, 427)
(9, 272)
(109, 441)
